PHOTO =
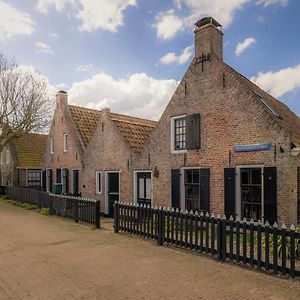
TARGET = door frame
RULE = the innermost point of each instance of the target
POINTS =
(135, 184)
(238, 204)
(72, 179)
(106, 189)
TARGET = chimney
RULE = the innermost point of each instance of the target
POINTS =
(61, 99)
(208, 38)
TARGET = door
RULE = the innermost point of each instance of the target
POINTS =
(75, 182)
(113, 191)
(144, 193)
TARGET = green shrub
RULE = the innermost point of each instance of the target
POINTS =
(45, 211)
(4, 197)
(28, 206)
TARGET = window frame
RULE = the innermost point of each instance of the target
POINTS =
(173, 134)
(27, 178)
(52, 145)
(65, 142)
(98, 189)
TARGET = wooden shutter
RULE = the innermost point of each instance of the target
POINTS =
(204, 189)
(270, 195)
(229, 191)
(192, 123)
(44, 178)
(51, 179)
(175, 193)
(298, 194)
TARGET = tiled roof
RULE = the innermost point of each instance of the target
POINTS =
(85, 120)
(29, 150)
(134, 130)
(286, 118)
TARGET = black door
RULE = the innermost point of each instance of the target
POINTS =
(75, 182)
(113, 191)
(144, 188)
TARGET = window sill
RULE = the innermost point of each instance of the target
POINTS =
(178, 151)
(98, 193)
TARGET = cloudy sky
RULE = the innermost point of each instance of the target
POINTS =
(130, 54)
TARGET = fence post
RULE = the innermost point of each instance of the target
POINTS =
(51, 208)
(221, 236)
(97, 214)
(161, 226)
(116, 217)
(75, 210)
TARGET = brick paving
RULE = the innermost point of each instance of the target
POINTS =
(51, 258)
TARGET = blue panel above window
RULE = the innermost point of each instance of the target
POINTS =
(249, 148)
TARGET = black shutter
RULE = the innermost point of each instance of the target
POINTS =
(51, 179)
(44, 178)
(204, 189)
(229, 191)
(298, 194)
(192, 133)
(270, 195)
(175, 174)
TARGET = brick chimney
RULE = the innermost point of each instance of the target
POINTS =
(61, 99)
(208, 37)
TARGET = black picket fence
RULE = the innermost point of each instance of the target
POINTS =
(253, 244)
(80, 209)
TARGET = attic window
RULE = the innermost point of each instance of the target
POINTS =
(266, 104)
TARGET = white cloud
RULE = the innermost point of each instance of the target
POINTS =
(242, 46)
(53, 35)
(272, 2)
(43, 6)
(104, 14)
(138, 95)
(280, 82)
(171, 57)
(43, 48)
(169, 23)
(88, 68)
(14, 22)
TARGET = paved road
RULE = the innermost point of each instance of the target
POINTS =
(51, 258)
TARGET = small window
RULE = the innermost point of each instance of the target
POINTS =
(52, 145)
(34, 179)
(65, 142)
(178, 134)
(98, 183)
(7, 156)
(266, 104)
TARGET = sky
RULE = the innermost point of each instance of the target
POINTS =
(129, 55)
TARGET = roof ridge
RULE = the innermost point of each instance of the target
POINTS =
(138, 118)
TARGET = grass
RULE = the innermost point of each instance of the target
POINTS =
(43, 211)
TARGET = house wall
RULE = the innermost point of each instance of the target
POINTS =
(62, 124)
(230, 115)
(107, 151)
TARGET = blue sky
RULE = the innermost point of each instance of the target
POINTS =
(130, 54)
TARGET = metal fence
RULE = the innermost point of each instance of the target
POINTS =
(253, 244)
(80, 209)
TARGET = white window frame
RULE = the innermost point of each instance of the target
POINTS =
(99, 189)
(135, 196)
(1, 157)
(65, 142)
(172, 137)
(7, 156)
(52, 145)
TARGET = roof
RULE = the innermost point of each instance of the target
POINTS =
(29, 150)
(86, 121)
(135, 131)
(281, 112)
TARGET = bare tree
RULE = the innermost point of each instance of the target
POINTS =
(25, 104)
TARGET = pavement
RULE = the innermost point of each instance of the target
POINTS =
(46, 257)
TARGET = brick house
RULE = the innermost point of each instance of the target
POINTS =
(108, 160)
(70, 132)
(223, 144)
(22, 161)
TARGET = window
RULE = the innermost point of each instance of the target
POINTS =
(34, 178)
(65, 142)
(251, 194)
(266, 104)
(178, 134)
(192, 189)
(52, 145)
(7, 156)
(98, 183)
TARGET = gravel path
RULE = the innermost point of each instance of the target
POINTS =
(52, 258)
